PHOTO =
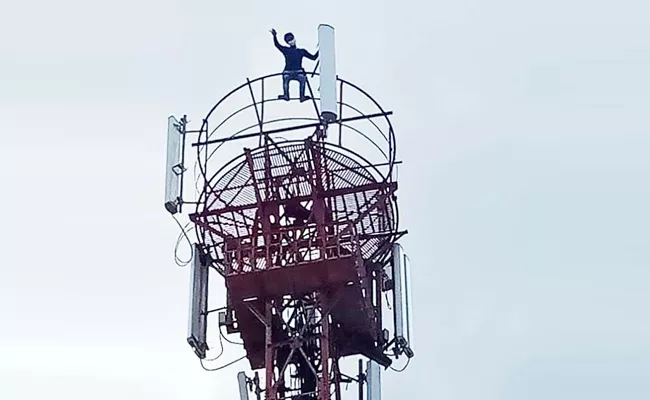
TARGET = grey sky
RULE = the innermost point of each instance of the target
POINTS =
(525, 134)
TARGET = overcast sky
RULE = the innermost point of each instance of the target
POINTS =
(525, 132)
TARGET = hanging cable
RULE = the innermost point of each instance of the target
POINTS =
(408, 360)
(179, 262)
(220, 351)
(227, 340)
(223, 366)
(222, 347)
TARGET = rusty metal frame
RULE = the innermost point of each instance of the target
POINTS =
(324, 302)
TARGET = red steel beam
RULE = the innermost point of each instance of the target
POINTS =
(392, 186)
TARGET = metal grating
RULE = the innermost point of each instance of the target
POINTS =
(360, 208)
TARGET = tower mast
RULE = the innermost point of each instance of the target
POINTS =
(302, 225)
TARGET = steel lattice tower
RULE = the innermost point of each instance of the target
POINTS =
(303, 231)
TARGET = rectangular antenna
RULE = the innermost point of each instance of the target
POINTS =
(174, 169)
(198, 304)
(407, 297)
(327, 60)
(243, 388)
(402, 301)
(373, 371)
(398, 295)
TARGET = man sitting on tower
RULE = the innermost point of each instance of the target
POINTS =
(293, 70)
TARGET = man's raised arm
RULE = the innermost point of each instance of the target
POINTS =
(275, 41)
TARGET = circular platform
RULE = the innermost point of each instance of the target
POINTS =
(307, 184)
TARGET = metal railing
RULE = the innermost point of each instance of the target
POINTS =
(289, 246)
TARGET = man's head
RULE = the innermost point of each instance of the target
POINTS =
(290, 39)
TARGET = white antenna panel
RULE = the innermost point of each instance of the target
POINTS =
(407, 297)
(373, 371)
(401, 294)
(327, 73)
(174, 169)
(243, 388)
(398, 291)
(198, 304)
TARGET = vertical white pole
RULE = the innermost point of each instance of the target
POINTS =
(374, 381)
(327, 60)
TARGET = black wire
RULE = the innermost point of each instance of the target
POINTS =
(217, 309)
(220, 351)
(408, 360)
(223, 366)
(179, 262)
(226, 339)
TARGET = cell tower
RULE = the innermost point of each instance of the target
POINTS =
(296, 208)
